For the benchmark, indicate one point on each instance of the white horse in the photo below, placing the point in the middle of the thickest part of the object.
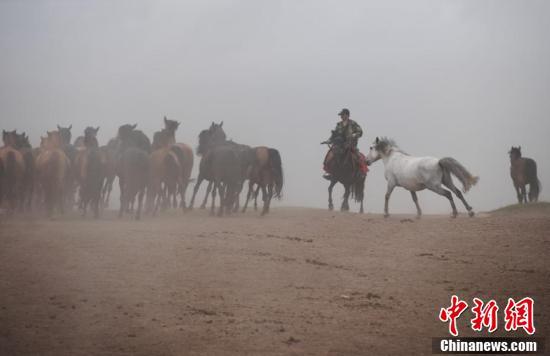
(418, 173)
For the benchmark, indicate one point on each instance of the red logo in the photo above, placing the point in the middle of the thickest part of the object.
(452, 313)
(516, 315)
(519, 315)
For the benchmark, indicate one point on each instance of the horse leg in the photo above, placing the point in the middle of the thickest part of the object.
(415, 200)
(389, 190)
(122, 197)
(222, 192)
(345, 203)
(267, 201)
(208, 189)
(264, 198)
(330, 187)
(140, 202)
(213, 206)
(256, 197)
(447, 194)
(523, 194)
(248, 195)
(448, 182)
(195, 190)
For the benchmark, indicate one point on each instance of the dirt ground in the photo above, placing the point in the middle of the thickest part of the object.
(299, 281)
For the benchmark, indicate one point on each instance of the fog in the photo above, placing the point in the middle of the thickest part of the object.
(466, 79)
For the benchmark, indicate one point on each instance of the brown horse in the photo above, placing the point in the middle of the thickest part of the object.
(14, 171)
(266, 172)
(167, 138)
(165, 175)
(90, 172)
(24, 146)
(523, 172)
(52, 168)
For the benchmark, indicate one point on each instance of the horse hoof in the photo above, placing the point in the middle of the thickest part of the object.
(386, 216)
(418, 217)
(331, 207)
(471, 214)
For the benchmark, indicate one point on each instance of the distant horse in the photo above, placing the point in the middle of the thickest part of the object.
(266, 172)
(209, 138)
(130, 137)
(345, 170)
(70, 151)
(24, 146)
(109, 154)
(167, 138)
(221, 165)
(90, 172)
(133, 167)
(165, 173)
(52, 168)
(14, 171)
(523, 172)
(418, 173)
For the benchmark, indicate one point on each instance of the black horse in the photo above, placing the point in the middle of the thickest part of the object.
(524, 171)
(133, 165)
(344, 169)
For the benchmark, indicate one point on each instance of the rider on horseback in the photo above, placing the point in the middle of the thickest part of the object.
(344, 136)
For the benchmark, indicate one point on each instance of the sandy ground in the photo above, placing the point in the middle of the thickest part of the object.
(299, 281)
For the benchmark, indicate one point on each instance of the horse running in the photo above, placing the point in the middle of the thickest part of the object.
(418, 173)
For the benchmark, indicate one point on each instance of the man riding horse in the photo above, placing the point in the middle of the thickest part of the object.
(345, 137)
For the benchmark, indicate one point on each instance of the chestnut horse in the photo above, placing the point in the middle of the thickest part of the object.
(266, 172)
(14, 171)
(52, 168)
(524, 171)
(167, 138)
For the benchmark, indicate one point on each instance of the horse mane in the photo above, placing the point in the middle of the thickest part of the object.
(386, 144)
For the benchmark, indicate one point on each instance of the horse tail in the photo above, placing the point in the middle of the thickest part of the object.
(452, 166)
(358, 189)
(532, 179)
(172, 163)
(276, 170)
(94, 172)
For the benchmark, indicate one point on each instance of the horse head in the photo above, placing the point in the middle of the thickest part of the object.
(90, 136)
(9, 138)
(54, 139)
(171, 125)
(211, 137)
(65, 133)
(380, 148)
(22, 141)
(515, 152)
(125, 131)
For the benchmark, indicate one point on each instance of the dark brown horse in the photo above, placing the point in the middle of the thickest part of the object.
(266, 173)
(133, 167)
(52, 169)
(222, 165)
(90, 172)
(209, 138)
(523, 172)
(109, 154)
(345, 169)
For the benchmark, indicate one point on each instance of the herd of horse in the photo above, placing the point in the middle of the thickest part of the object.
(60, 174)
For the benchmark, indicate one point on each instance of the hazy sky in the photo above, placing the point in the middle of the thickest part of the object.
(466, 79)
